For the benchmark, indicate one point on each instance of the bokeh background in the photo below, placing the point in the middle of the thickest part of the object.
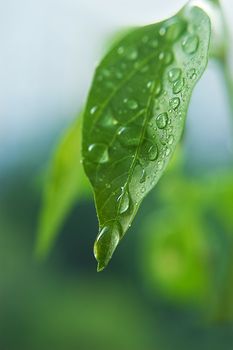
(170, 284)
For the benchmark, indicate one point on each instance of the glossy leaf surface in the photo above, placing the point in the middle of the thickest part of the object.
(135, 116)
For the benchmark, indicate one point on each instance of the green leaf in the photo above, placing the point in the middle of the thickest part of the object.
(135, 115)
(67, 182)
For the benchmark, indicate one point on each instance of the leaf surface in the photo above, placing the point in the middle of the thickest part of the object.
(66, 183)
(135, 116)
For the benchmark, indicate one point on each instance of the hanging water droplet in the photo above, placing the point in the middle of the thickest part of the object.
(124, 201)
(162, 120)
(190, 44)
(178, 86)
(149, 151)
(93, 109)
(174, 74)
(132, 54)
(132, 104)
(174, 102)
(98, 153)
(106, 243)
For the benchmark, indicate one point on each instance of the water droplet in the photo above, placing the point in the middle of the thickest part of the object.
(98, 153)
(154, 43)
(162, 31)
(190, 44)
(174, 74)
(170, 140)
(162, 120)
(145, 39)
(129, 135)
(120, 50)
(119, 75)
(192, 74)
(149, 151)
(178, 86)
(158, 89)
(106, 243)
(106, 73)
(107, 120)
(143, 177)
(132, 54)
(175, 30)
(124, 201)
(166, 57)
(174, 102)
(149, 84)
(167, 151)
(132, 104)
(93, 109)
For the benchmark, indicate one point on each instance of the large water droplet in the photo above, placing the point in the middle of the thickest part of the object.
(98, 153)
(178, 86)
(174, 102)
(106, 244)
(174, 74)
(124, 201)
(190, 44)
(129, 135)
(162, 120)
(150, 151)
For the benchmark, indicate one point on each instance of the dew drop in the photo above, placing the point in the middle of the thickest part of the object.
(166, 57)
(174, 74)
(162, 120)
(192, 74)
(154, 43)
(132, 54)
(178, 86)
(190, 44)
(106, 243)
(175, 30)
(158, 89)
(150, 151)
(124, 201)
(162, 31)
(174, 102)
(120, 50)
(143, 177)
(98, 153)
(93, 109)
(170, 140)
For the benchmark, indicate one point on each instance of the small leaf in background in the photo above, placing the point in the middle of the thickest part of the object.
(66, 184)
(135, 116)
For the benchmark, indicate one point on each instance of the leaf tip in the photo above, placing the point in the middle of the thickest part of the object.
(106, 244)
